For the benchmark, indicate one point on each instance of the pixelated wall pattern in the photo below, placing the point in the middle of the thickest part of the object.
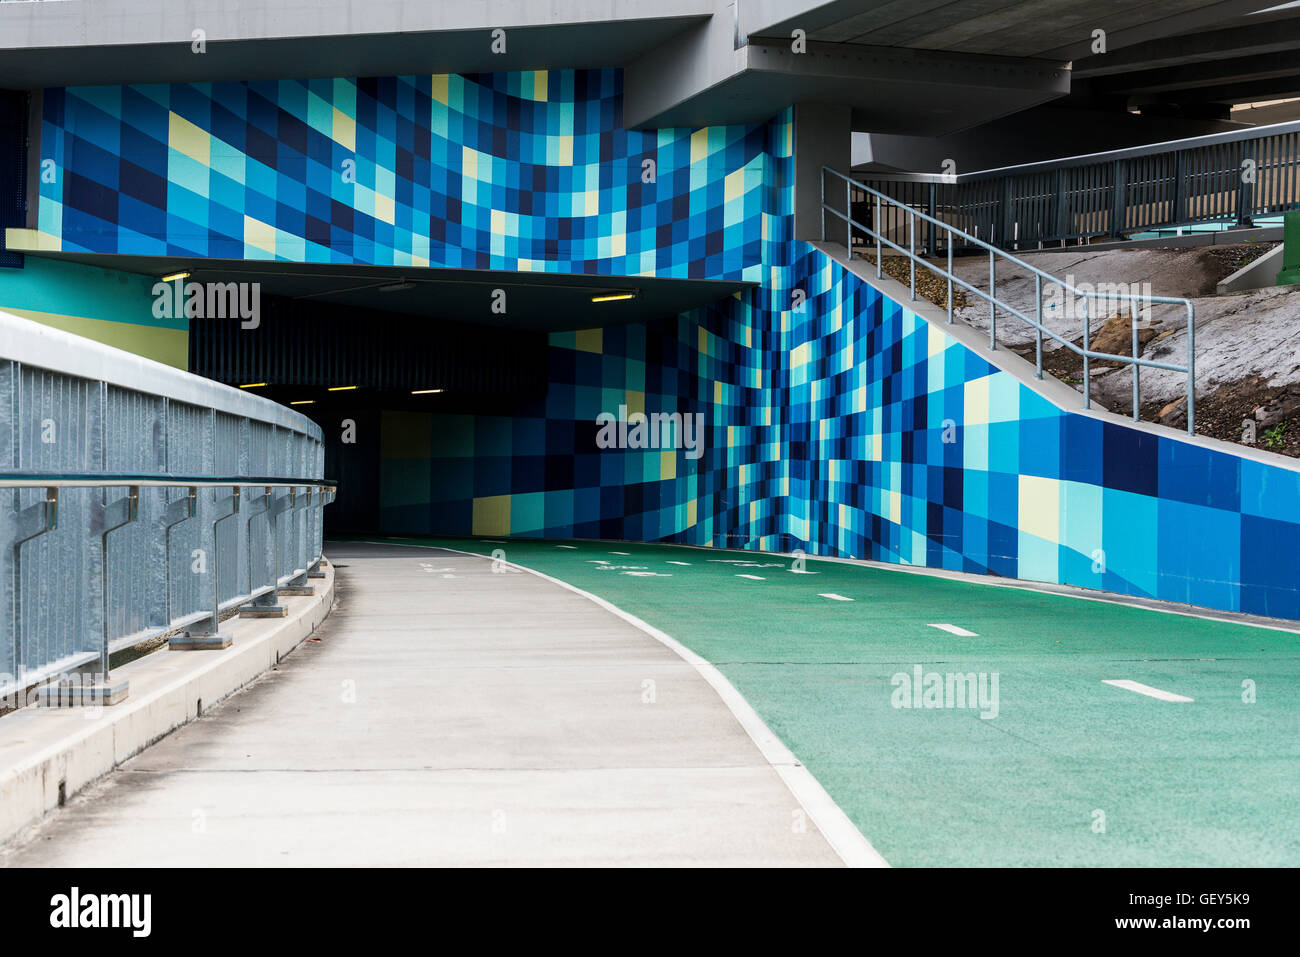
(1023, 489)
(826, 425)
(542, 473)
(529, 171)
(827, 432)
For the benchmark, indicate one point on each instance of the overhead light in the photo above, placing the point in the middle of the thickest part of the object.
(424, 391)
(253, 385)
(613, 296)
(397, 286)
(304, 402)
(176, 275)
(341, 388)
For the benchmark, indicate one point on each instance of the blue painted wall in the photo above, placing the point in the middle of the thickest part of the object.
(848, 427)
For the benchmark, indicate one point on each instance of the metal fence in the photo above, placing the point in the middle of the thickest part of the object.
(950, 238)
(1231, 178)
(136, 499)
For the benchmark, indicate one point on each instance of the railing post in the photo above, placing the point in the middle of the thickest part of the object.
(205, 634)
(1179, 210)
(1137, 387)
(880, 228)
(267, 604)
(931, 233)
(911, 247)
(950, 305)
(1191, 369)
(1062, 206)
(1038, 333)
(31, 522)
(1008, 218)
(822, 190)
(298, 585)
(314, 571)
(993, 308)
(1118, 198)
(100, 690)
(1246, 185)
(174, 513)
(1087, 372)
(848, 215)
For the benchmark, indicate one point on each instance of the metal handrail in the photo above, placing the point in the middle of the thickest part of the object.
(1104, 156)
(42, 517)
(1135, 360)
(115, 480)
(1227, 178)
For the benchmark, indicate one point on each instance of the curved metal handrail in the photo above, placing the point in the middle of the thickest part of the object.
(1135, 360)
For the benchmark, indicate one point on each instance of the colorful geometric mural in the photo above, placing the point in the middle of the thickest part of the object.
(856, 428)
(846, 426)
(518, 171)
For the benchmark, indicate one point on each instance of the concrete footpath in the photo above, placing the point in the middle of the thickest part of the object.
(447, 714)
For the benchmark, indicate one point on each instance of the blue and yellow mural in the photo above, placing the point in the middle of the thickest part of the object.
(847, 426)
(518, 171)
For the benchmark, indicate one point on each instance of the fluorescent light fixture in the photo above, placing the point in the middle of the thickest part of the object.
(176, 275)
(398, 286)
(341, 388)
(253, 385)
(304, 402)
(613, 296)
(424, 391)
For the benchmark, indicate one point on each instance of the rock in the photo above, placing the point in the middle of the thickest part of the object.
(1174, 414)
(1116, 336)
(1278, 409)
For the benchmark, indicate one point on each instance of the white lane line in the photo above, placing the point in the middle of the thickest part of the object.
(833, 597)
(797, 571)
(841, 833)
(679, 563)
(620, 553)
(757, 578)
(1147, 690)
(566, 546)
(954, 630)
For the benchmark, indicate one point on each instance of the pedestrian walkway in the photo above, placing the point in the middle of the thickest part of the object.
(448, 713)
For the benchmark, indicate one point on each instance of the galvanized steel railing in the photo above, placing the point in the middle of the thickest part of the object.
(132, 502)
(1232, 177)
(953, 237)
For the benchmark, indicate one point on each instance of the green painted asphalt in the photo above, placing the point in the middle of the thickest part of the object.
(1215, 782)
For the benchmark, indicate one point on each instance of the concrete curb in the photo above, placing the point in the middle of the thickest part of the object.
(1260, 274)
(49, 754)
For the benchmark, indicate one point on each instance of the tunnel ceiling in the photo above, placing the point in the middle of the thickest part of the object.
(539, 302)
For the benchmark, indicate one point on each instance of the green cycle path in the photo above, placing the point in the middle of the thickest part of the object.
(1062, 769)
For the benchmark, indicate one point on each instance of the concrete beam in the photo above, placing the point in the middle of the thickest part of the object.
(1277, 34)
(125, 41)
(822, 137)
(778, 17)
(1205, 74)
(916, 92)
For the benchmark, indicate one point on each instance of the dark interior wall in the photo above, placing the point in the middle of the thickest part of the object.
(13, 168)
